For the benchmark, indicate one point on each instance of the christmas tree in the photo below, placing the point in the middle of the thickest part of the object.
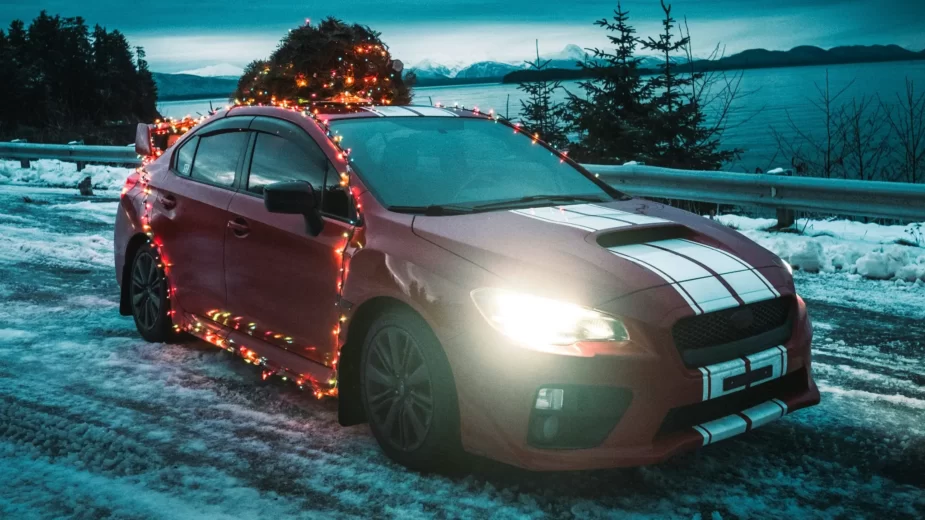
(331, 61)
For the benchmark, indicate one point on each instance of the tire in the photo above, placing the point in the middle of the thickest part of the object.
(408, 393)
(148, 297)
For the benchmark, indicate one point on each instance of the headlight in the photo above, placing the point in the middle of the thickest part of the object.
(536, 321)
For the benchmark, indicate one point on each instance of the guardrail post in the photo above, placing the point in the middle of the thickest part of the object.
(23, 163)
(81, 165)
(785, 218)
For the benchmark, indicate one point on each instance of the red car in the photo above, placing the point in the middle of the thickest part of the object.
(460, 286)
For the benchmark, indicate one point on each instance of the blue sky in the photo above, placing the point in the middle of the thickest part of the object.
(180, 35)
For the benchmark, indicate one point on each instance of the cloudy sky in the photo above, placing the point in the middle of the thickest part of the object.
(185, 34)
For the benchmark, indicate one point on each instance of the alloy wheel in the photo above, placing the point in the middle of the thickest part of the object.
(399, 390)
(147, 291)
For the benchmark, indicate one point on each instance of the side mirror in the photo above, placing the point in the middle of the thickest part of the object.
(297, 198)
(143, 140)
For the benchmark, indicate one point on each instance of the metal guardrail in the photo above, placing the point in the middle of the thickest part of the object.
(894, 200)
(78, 153)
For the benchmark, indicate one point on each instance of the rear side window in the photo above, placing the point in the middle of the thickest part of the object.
(276, 160)
(217, 157)
(184, 161)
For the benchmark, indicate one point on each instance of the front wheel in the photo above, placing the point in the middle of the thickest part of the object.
(148, 297)
(408, 392)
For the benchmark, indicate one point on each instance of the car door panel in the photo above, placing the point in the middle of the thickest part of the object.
(190, 216)
(281, 281)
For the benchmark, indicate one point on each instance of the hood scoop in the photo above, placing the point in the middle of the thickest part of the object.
(643, 234)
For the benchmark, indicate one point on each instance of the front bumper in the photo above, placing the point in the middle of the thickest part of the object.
(672, 408)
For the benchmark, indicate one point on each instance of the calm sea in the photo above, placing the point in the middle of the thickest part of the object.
(773, 96)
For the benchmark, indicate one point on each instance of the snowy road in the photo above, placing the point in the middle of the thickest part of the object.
(96, 423)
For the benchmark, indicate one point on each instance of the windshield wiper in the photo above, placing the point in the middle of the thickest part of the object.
(535, 198)
(434, 210)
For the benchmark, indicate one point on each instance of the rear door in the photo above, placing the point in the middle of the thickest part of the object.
(282, 282)
(192, 212)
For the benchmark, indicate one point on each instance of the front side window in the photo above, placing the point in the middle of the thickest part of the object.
(277, 160)
(416, 162)
(217, 157)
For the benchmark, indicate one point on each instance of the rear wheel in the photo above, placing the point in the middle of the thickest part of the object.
(148, 297)
(408, 392)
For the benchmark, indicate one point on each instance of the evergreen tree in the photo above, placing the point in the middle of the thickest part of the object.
(60, 80)
(611, 117)
(330, 61)
(539, 115)
(678, 132)
(145, 99)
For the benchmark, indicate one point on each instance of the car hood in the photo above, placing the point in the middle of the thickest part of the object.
(594, 253)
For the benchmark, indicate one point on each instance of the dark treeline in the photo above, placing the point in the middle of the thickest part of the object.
(62, 81)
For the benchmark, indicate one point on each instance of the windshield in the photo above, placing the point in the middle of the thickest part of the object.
(460, 162)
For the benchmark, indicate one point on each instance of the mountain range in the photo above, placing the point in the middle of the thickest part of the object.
(220, 80)
(804, 55)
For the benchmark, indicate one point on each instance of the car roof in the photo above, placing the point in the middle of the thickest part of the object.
(339, 111)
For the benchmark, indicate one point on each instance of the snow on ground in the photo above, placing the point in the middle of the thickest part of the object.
(96, 423)
(866, 249)
(47, 172)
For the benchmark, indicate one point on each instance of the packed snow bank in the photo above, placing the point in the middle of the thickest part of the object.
(856, 248)
(58, 174)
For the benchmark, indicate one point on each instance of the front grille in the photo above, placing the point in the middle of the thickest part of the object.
(728, 326)
(679, 419)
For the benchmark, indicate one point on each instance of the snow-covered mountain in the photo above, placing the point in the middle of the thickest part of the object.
(213, 71)
(567, 58)
(654, 62)
(487, 69)
(429, 69)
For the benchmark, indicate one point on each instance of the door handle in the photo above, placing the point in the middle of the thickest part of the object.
(239, 227)
(168, 201)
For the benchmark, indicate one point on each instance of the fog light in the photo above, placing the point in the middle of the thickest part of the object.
(550, 399)
(550, 428)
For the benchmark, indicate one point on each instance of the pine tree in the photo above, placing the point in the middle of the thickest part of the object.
(540, 116)
(61, 82)
(330, 61)
(611, 116)
(678, 131)
(145, 88)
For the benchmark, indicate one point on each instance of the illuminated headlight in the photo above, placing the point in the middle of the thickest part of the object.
(532, 320)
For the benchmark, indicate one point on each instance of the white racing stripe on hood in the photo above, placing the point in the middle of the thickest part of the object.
(560, 216)
(707, 278)
(747, 282)
(745, 265)
(707, 292)
(589, 217)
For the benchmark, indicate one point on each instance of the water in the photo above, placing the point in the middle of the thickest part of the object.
(775, 95)
(192, 107)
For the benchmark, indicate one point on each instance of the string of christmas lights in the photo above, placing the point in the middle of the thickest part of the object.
(353, 241)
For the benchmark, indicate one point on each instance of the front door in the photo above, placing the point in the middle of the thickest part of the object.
(282, 283)
(190, 213)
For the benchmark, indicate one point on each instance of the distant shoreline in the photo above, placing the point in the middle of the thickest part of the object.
(195, 97)
(199, 88)
(749, 60)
